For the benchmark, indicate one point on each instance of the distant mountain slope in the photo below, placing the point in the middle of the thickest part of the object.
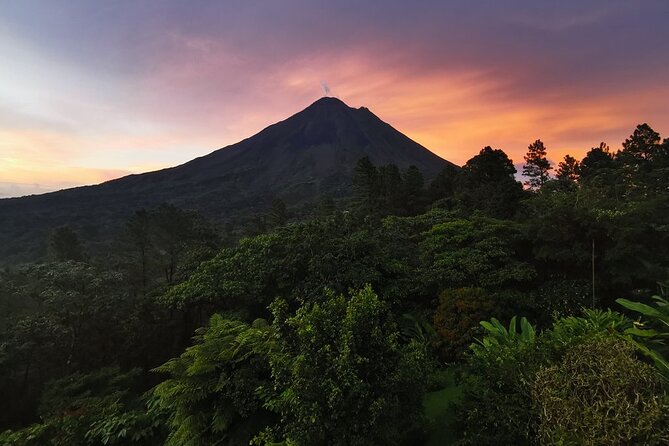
(308, 155)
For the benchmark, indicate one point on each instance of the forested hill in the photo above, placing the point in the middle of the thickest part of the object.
(307, 156)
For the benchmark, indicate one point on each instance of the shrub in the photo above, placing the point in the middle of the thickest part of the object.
(498, 405)
(600, 394)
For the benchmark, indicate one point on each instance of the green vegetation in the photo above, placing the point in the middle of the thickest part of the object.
(457, 311)
(440, 409)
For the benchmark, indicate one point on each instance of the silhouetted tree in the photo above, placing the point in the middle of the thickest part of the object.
(641, 148)
(645, 159)
(391, 187)
(443, 186)
(536, 166)
(595, 160)
(487, 183)
(568, 169)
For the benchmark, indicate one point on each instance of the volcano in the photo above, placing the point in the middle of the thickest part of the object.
(307, 156)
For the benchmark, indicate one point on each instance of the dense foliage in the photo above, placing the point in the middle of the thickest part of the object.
(336, 328)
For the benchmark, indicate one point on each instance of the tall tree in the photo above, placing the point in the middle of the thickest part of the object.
(641, 148)
(414, 190)
(443, 186)
(568, 169)
(536, 166)
(137, 237)
(595, 160)
(487, 183)
(391, 187)
(365, 186)
(182, 239)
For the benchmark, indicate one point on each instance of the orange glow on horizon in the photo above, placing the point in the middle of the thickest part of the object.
(452, 113)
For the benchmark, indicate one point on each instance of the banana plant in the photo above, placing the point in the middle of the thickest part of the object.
(498, 334)
(650, 333)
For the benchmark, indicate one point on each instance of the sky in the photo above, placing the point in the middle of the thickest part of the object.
(94, 90)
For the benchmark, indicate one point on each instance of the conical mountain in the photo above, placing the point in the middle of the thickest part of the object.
(308, 155)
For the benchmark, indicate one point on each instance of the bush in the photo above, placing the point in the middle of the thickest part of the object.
(498, 405)
(600, 394)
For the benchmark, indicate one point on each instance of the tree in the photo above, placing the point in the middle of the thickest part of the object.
(568, 169)
(339, 252)
(456, 319)
(487, 183)
(597, 159)
(641, 148)
(178, 234)
(165, 243)
(391, 189)
(536, 166)
(342, 376)
(84, 319)
(413, 190)
(334, 373)
(64, 245)
(137, 234)
(645, 159)
(365, 187)
(479, 251)
(443, 186)
(102, 407)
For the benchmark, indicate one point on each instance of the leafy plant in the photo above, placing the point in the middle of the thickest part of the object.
(650, 336)
(210, 395)
(497, 334)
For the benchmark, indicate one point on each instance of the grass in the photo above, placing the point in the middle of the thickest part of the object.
(440, 412)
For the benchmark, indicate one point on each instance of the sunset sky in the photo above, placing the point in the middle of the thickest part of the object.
(93, 90)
